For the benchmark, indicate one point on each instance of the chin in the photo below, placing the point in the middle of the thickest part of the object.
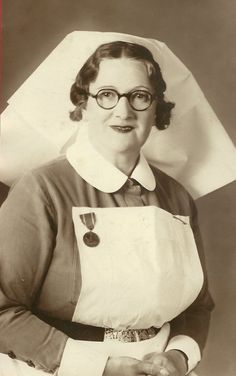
(126, 149)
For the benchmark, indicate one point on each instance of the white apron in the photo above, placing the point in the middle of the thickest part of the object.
(144, 272)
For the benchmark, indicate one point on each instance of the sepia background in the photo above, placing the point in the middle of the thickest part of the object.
(202, 33)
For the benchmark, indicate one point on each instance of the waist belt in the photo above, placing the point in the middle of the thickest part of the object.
(84, 332)
(130, 335)
(74, 330)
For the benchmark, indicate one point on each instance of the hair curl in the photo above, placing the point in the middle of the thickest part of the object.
(114, 50)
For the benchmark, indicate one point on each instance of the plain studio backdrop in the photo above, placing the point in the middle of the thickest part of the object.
(203, 35)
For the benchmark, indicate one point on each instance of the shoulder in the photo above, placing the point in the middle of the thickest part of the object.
(43, 182)
(167, 181)
(55, 169)
(46, 175)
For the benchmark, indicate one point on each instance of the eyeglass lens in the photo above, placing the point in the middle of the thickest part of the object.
(138, 99)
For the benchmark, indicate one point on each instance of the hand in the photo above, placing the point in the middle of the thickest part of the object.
(126, 366)
(170, 363)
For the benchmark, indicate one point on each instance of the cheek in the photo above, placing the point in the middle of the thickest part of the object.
(94, 113)
(148, 120)
(89, 111)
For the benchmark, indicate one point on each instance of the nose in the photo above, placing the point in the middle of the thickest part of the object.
(123, 109)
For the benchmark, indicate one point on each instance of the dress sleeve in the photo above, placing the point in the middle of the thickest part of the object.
(190, 328)
(27, 236)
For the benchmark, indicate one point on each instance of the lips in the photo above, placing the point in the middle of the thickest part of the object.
(122, 128)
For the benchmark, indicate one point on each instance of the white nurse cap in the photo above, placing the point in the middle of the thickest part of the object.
(36, 128)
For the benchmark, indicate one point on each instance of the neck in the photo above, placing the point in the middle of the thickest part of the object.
(124, 161)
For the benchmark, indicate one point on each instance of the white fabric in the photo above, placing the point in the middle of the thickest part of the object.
(146, 260)
(157, 275)
(87, 358)
(90, 165)
(21, 147)
(91, 354)
(42, 102)
(188, 346)
(82, 358)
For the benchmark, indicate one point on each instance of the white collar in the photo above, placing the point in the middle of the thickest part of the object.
(99, 172)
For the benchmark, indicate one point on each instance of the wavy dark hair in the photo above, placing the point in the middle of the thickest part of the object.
(115, 50)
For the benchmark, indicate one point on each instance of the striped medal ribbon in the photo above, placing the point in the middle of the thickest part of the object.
(90, 238)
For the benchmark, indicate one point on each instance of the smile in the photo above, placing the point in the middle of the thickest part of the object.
(122, 129)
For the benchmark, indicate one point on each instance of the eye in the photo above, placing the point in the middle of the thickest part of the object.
(143, 96)
(106, 93)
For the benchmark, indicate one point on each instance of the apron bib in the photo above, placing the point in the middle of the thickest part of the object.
(144, 271)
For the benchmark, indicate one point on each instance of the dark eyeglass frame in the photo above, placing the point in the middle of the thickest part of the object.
(126, 95)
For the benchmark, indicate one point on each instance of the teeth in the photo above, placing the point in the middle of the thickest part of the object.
(123, 129)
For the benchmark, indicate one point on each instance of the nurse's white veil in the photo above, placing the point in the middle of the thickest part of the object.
(195, 149)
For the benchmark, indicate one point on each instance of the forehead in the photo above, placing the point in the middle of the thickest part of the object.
(123, 74)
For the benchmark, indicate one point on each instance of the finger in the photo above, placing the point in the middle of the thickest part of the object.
(160, 370)
(164, 372)
(155, 358)
(149, 356)
(144, 368)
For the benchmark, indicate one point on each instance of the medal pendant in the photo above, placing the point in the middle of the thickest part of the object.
(91, 239)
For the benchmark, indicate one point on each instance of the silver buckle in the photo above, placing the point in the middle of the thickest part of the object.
(130, 335)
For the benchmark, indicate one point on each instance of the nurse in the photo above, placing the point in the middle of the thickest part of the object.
(102, 269)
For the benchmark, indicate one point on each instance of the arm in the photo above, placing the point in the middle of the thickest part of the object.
(27, 236)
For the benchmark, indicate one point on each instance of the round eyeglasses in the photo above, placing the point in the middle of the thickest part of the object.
(139, 100)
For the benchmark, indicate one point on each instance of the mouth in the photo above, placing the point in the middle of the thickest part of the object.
(122, 129)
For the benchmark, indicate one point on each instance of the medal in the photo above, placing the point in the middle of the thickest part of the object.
(90, 238)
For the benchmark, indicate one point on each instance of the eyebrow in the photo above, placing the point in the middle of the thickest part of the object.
(139, 87)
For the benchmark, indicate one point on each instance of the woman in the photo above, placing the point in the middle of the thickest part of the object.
(99, 269)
